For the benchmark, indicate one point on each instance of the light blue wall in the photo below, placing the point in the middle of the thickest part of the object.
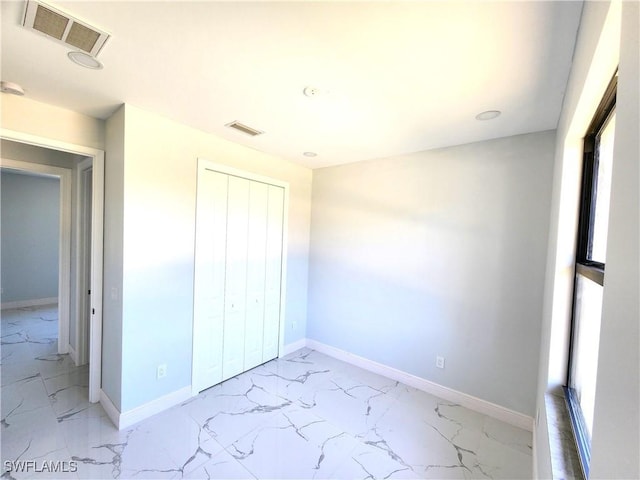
(150, 205)
(112, 287)
(437, 253)
(30, 235)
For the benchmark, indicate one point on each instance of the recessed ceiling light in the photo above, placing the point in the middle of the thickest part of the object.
(85, 60)
(12, 88)
(488, 115)
(310, 154)
(313, 92)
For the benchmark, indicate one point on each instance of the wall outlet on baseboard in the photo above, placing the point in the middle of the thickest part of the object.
(439, 361)
(161, 372)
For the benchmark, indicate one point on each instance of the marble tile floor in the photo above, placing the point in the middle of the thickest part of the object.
(304, 416)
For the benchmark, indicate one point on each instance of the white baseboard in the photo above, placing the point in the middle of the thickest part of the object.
(534, 454)
(112, 412)
(36, 302)
(73, 354)
(126, 419)
(292, 347)
(473, 403)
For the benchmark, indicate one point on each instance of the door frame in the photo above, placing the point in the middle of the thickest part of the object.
(83, 252)
(64, 175)
(203, 165)
(97, 235)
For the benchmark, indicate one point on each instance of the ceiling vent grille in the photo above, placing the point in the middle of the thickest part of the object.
(64, 28)
(244, 129)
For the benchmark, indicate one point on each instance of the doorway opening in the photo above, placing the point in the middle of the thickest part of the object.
(30, 229)
(80, 171)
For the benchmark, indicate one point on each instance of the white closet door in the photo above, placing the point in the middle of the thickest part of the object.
(236, 273)
(273, 272)
(209, 279)
(256, 263)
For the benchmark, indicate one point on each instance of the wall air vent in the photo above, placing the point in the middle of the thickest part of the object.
(64, 28)
(244, 129)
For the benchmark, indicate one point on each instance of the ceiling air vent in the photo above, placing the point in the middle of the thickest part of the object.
(244, 129)
(63, 27)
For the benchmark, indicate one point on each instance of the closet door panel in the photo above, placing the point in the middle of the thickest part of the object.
(256, 266)
(273, 272)
(209, 285)
(238, 272)
(236, 277)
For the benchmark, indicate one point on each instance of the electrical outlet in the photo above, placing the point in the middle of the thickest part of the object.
(439, 361)
(294, 325)
(161, 372)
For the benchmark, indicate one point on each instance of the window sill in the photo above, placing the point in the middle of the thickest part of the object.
(565, 463)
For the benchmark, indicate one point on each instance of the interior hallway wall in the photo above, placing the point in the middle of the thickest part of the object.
(30, 216)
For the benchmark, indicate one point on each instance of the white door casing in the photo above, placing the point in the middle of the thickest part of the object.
(64, 243)
(83, 259)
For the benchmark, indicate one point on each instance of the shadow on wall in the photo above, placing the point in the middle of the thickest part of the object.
(438, 253)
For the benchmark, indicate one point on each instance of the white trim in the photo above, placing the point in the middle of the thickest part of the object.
(203, 163)
(283, 271)
(112, 411)
(74, 355)
(473, 403)
(30, 303)
(64, 243)
(155, 406)
(81, 252)
(95, 340)
(126, 419)
(97, 263)
(534, 453)
(292, 347)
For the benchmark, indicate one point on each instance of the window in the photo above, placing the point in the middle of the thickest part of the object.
(590, 271)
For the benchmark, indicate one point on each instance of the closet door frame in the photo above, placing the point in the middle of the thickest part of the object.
(208, 165)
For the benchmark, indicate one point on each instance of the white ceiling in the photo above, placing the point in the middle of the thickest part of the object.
(397, 77)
